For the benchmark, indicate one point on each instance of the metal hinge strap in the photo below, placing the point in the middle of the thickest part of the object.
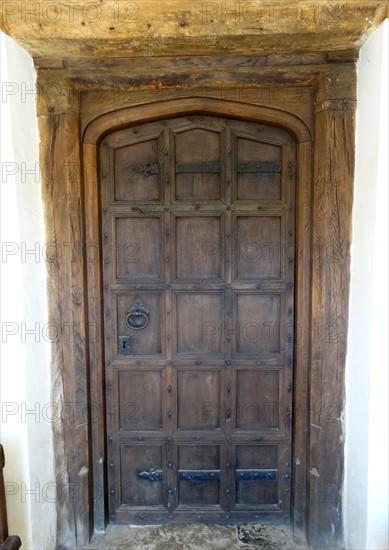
(268, 474)
(258, 167)
(198, 168)
(199, 475)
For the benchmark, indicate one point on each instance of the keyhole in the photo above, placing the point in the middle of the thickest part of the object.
(124, 344)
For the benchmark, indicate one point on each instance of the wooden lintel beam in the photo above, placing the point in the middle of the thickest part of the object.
(152, 28)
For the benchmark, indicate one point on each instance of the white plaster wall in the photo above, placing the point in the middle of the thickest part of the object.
(366, 483)
(26, 432)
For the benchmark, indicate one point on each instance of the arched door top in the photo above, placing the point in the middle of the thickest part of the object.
(111, 121)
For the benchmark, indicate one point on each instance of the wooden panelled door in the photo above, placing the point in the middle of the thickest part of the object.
(198, 232)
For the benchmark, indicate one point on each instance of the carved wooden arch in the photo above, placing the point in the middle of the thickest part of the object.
(111, 121)
(115, 120)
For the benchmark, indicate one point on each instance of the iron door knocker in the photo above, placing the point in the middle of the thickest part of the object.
(137, 316)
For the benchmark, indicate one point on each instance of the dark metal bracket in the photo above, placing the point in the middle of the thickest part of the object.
(147, 169)
(151, 475)
(258, 167)
(199, 475)
(248, 475)
(198, 168)
(212, 475)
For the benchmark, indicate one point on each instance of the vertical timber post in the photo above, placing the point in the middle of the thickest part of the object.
(62, 193)
(332, 204)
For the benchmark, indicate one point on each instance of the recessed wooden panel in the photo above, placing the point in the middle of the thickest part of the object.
(258, 246)
(146, 341)
(199, 246)
(135, 462)
(258, 319)
(260, 185)
(199, 322)
(140, 405)
(256, 492)
(256, 456)
(197, 147)
(137, 172)
(139, 248)
(196, 459)
(198, 399)
(257, 399)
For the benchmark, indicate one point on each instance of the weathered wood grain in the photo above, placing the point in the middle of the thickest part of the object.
(151, 27)
(296, 99)
(95, 336)
(332, 203)
(192, 105)
(300, 393)
(62, 194)
(139, 64)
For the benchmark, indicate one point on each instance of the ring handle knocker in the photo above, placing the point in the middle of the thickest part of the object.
(137, 316)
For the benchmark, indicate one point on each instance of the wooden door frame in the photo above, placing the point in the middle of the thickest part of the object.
(69, 161)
